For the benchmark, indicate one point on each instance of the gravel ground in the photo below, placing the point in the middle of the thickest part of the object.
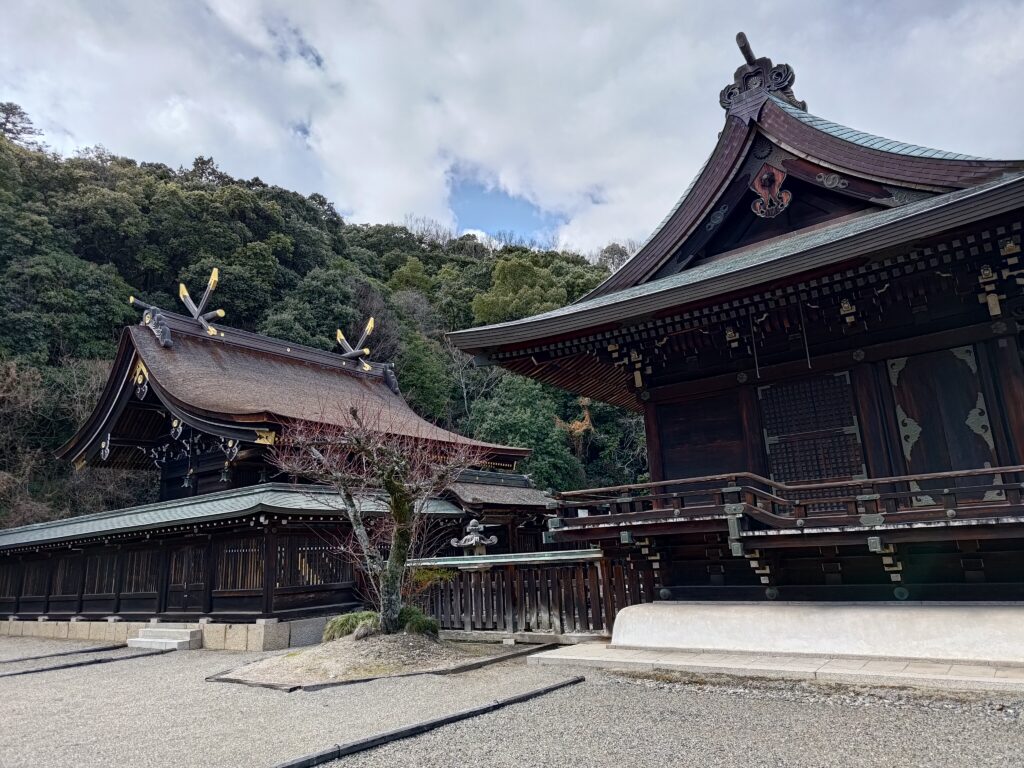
(19, 647)
(617, 720)
(159, 711)
(375, 656)
(78, 658)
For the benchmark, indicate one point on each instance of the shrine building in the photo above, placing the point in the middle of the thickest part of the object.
(824, 339)
(232, 539)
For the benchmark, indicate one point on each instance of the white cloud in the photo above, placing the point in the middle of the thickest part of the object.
(599, 111)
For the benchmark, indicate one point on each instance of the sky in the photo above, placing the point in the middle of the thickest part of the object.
(573, 123)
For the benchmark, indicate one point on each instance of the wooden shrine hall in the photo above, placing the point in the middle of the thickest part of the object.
(231, 538)
(824, 338)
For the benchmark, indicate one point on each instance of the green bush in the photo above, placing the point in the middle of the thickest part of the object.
(417, 623)
(412, 619)
(344, 625)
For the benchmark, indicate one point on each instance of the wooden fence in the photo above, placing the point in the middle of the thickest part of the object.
(556, 598)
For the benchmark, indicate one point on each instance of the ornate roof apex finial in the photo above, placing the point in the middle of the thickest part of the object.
(359, 353)
(758, 76)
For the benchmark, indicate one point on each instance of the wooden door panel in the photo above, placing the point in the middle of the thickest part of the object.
(702, 437)
(941, 413)
(186, 579)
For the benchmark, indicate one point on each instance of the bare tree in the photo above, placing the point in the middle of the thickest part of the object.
(374, 456)
(474, 382)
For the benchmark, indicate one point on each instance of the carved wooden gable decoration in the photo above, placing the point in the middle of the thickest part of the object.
(777, 170)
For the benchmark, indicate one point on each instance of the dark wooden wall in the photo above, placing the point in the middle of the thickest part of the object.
(223, 575)
(959, 407)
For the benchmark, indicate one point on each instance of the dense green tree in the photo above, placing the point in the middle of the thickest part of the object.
(54, 304)
(524, 413)
(411, 276)
(423, 376)
(16, 125)
(519, 288)
(309, 314)
(79, 234)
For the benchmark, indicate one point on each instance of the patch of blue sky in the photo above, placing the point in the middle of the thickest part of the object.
(479, 206)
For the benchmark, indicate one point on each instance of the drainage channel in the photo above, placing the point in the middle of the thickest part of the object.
(361, 745)
(82, 663)
(97, 649)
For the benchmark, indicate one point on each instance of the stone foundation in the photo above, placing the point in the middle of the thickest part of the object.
(950, 631)
(264, 635)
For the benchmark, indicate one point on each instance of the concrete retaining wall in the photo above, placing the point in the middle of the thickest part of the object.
(270, 636)
(903, 630)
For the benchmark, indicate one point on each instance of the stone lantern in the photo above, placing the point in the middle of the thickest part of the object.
(474, 542)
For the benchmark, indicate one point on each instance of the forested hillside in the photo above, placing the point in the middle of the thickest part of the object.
(79, 235)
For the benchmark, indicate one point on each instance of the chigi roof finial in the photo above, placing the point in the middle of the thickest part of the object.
(758, 75)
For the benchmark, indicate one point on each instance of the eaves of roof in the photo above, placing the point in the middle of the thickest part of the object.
(756, 265)
(272, 497)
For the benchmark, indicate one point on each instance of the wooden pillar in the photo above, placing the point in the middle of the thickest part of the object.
(81, 583)
(211, 567)
(163, 577)
(49, 583)
(654, 458)
(269, 569)
(118, 578)
(19, 583)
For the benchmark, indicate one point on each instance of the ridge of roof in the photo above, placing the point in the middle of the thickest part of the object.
(182, 324)
(868, 140)
(739, 260)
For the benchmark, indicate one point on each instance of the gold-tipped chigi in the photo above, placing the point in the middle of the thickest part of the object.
(358, 352)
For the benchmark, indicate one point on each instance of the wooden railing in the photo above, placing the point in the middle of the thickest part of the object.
(561, 598)
(906, 498)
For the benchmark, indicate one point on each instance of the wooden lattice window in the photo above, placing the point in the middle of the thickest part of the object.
(240, 563)
(8, 579)
(310, 561)
(67, 576)
(140, 571)
(36, 578)
(811, 430)
(100, 574)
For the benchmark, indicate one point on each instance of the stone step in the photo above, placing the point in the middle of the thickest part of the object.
(164, 633)
(171, 625)
(160, 644)
(167, 639)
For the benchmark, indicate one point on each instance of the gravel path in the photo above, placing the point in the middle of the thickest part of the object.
(19, 647)
(77, 658)
(159, 711)
(621, 721)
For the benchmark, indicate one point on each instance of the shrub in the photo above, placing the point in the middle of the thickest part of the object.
(344, 625)
(417, 623)
(365, 623)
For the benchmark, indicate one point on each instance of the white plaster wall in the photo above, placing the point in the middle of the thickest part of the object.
(950, 631)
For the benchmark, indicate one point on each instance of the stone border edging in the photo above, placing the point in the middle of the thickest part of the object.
(224, 677)
(87, 663)
(97, 649)
(361, 745)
